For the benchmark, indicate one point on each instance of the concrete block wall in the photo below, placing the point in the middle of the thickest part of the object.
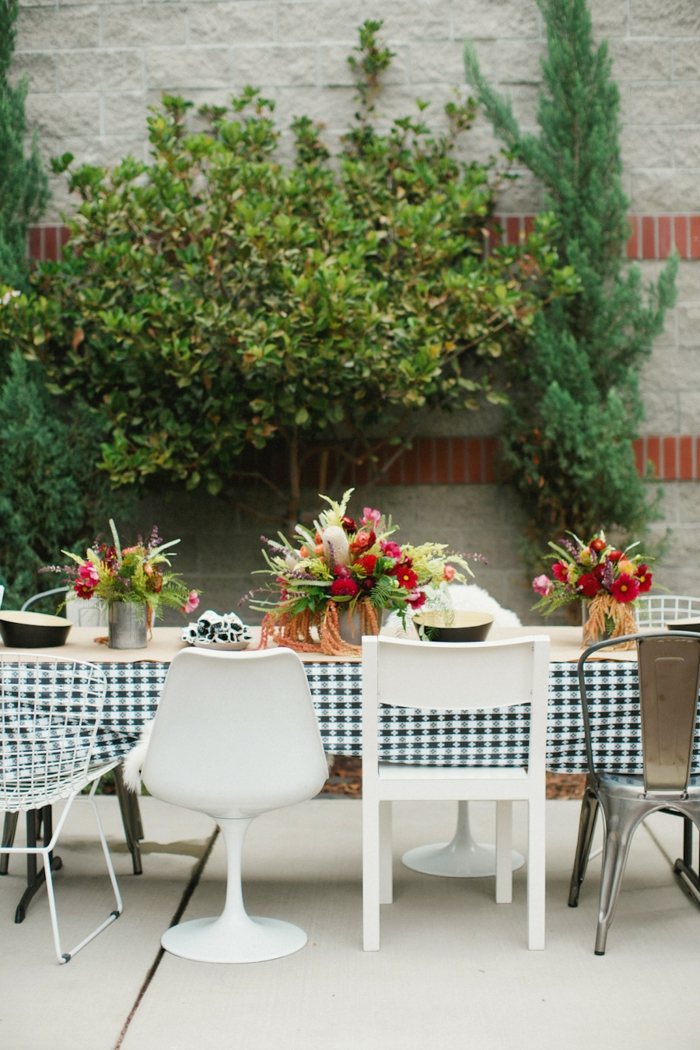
(94, 67)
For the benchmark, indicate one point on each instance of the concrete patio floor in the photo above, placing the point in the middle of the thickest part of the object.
(453, 970)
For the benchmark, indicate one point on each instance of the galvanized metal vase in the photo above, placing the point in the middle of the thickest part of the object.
(128, 627)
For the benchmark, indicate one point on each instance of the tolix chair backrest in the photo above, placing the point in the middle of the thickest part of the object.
(669, 680)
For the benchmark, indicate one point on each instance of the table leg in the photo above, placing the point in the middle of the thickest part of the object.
(8, 837)
(462, 858)
(131, 819)
(688, 878)
(36, 819)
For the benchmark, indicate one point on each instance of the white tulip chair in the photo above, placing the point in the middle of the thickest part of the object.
(235, 736)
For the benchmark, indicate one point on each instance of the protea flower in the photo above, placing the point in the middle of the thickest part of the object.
(335, 546)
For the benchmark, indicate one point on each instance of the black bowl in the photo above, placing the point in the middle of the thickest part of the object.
(28, 630)
(454, 625)
(692, 623)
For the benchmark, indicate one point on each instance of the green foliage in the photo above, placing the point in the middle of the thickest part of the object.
(575, 408)
(212, 300)
(23, 184)
(50, 493)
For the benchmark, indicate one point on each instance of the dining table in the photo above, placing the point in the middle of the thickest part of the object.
(498, 737)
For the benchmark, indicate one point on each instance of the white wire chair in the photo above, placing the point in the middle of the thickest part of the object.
(50, 712)
(655, 610)
(84, 612)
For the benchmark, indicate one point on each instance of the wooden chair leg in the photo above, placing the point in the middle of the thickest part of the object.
(504, 846)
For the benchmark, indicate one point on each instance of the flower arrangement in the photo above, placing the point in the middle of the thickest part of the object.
(140, 574)
(598, 572)
(344, 564)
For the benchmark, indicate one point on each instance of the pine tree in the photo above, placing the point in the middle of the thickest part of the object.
(575, 408)
(23, 183)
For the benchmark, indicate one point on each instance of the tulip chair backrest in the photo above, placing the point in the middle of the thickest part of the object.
(235, 734)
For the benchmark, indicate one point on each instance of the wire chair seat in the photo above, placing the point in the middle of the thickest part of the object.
(49, 715)
(50, 712)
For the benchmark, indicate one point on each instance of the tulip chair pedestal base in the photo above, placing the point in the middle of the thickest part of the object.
(462, 858)
(248, 939)
(234, 936)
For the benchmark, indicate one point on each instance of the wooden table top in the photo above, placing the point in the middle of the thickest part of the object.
(82, 645)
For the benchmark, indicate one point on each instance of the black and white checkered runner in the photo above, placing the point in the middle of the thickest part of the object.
(494, 738)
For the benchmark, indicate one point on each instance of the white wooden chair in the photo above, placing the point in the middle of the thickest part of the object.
(444, 676)
(235, 736)
(655, 610)
(50, 711)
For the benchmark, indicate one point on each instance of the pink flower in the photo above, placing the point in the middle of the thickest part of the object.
(448, 573)
(416, 599)
(543, 585)
(87, 581)
(560, 571)
(371, 517)
(191, 603)
(390, 549)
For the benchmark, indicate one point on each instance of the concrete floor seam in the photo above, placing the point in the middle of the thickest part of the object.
(196, 875)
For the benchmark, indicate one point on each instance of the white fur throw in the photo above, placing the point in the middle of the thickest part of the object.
(464, 596)
(134, 761)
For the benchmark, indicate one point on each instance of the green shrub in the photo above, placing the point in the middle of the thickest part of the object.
(213, 301)
(51, 494)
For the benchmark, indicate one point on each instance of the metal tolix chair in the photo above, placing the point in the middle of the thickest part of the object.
(669, 678)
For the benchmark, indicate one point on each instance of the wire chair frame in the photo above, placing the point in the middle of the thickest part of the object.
(655, 610)
(50, 712)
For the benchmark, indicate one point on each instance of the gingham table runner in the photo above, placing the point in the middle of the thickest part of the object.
(494, 738)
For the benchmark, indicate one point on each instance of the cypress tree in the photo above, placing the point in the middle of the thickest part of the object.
(575, 405)
(23, 184)
(51, 493)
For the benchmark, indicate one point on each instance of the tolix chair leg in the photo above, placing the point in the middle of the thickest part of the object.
(586, 828)
(621, 822)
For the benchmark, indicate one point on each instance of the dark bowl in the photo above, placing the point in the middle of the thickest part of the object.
(454, 625)
(28, 630)
(692, 623)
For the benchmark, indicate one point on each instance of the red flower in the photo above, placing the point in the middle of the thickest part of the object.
(416, 599)
(341, 587)
(404, 574)
(614, 555)
(560, 571)
(625, 588)
(362, 542)
(588, 585)
(368, 562)
(349, 524)
(341, 571)
(644, 577)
